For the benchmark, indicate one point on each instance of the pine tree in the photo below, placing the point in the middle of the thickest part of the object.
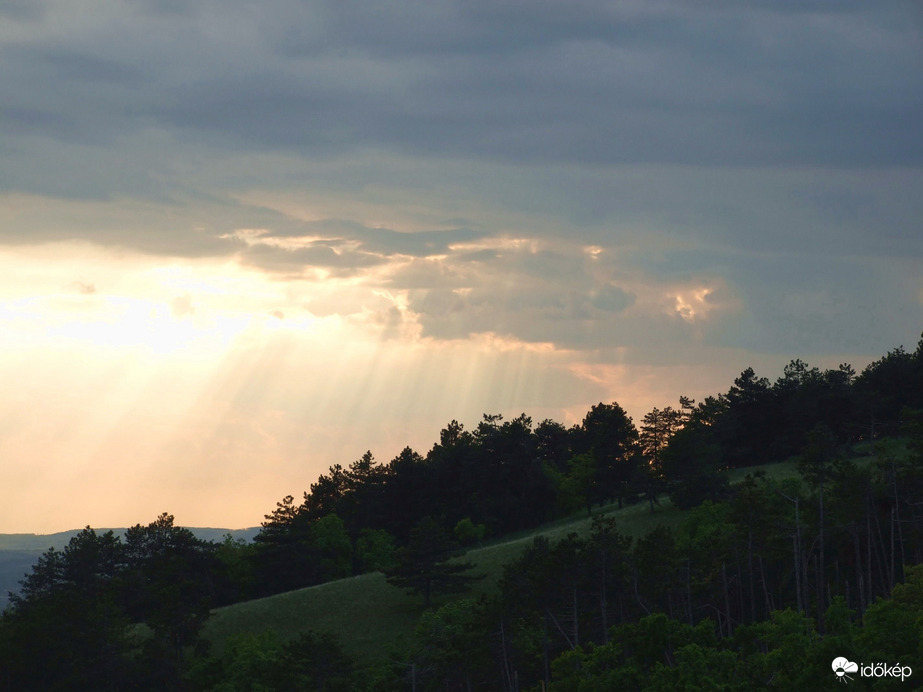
(424, 567)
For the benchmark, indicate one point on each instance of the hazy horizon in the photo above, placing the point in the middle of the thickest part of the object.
(239, 244)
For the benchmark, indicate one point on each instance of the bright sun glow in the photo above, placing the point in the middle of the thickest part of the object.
(139, 323)
(210, 390)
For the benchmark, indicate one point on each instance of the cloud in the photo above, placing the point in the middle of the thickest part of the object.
(537, 292)
(416, 244)
(341, 262)
(612, 299)
(22, 10)
(341, 248)
(735, 165)
(638, 83)
(373, 240)
(84, 288)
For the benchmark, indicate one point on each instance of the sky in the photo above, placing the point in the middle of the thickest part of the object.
(241, 242)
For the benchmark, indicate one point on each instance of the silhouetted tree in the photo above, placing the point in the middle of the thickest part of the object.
(610, 435)
(169, 584)
(657, 427)
(424, 565)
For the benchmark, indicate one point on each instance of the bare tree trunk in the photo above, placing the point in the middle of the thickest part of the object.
(750, 578)
(797, 575)
(505, 661)
(765, 588)
(545, 657)
(557, 624)
(820, 595)
(881, 558)
(603, 607)
(897, 515)
(603, 604)
(638, 595)
(727, 600)
(741, 610)
(870, 586)
(858, 552)
(796, 548)
(689, 590)
(892, 548)
(821, 571)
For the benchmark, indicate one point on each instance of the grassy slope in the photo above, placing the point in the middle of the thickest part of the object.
(365, 613)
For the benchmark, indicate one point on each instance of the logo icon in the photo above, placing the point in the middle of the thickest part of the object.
(841, 666)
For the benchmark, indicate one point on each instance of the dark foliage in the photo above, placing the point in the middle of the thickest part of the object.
(74, 626)
(262, 661)
(424, 565)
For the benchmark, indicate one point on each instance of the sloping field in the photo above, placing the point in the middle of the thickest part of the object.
(366, 613)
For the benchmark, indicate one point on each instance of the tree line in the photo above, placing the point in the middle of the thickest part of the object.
(760, 590)
(508, 475)
(107, 613)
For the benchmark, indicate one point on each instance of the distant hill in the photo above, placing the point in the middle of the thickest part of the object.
(44, 541)
(19, 551)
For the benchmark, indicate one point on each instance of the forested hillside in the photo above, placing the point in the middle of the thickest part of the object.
(757, 574)
(20, 551)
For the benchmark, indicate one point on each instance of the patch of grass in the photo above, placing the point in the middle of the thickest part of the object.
(364, 612)
(367, 614)
(775, 472)
(870, 451)
(634, 520)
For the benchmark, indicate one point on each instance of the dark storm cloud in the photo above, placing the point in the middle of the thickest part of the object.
(612, 299)
(21, 9)
(749, 84)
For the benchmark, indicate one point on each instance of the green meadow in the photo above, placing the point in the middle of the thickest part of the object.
(367, 614)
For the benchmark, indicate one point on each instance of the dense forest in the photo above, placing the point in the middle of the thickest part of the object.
(759, 586)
